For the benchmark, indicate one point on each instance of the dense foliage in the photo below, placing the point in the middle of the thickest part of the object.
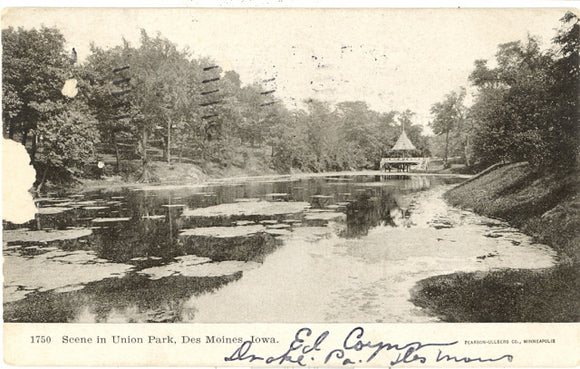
(153, 101)
(525, 108)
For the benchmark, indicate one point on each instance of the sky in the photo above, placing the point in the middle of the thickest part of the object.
(393, 59)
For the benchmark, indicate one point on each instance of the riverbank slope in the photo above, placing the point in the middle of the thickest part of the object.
(541, 204)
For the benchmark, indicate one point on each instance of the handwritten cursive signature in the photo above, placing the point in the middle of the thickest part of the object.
(355, 349)
(295, 354)
(406, 353)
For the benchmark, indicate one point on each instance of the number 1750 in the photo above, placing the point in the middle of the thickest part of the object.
(40, 339)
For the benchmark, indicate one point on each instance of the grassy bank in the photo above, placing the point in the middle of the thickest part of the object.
(245, 162)
(513, 295)
(544, 205)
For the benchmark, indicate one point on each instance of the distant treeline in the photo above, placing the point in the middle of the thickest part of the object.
(131, 101)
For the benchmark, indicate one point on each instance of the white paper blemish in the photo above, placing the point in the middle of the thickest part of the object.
(18, 177)
(70, 88)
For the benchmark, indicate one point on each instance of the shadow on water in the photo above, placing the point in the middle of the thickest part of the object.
(123, 241)
(246, 248)
(131, 299)
(370, 210)
(381, 206)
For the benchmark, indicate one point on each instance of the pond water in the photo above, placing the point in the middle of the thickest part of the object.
(320, 249)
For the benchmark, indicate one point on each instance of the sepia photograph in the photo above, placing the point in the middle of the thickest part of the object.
(362, 166)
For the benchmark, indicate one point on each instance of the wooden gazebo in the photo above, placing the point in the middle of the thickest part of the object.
(401, 156)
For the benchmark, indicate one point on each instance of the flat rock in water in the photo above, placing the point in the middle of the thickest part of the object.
(251, 199)
(52, 210)
(25, 235)
(113, 203)
(168, 187)
(71, 288)
(278, 232)
(199, 269)
(278, 226)
(244, 222)
(263, 208)
(174, 206)
(276, 195)
(110, 220)
(145, 258)
(339, 179)
(192, 259)
(224, 232)
(154, 217)
(292, 221)
(85, 203)
(324, 197)
(79, 257)
(56, 269)
(269, 222)
(329, 215)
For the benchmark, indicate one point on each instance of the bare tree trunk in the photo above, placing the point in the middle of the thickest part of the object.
(146, 171)
(118, 159)
(24, 137)
(169, 141)
(43, 179)
(466, 151)
(11, 130)
(446, 149)
(144, 146)
(33, 149)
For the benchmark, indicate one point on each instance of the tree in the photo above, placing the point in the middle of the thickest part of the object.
(34, 68)
(359, 147)
(386, 132)
(111, 108)
(448, 117)
(565, 134)
(514, 108)
(66, 144)
(63, 129)
(288, 140)
(155, 93)
(414, 132)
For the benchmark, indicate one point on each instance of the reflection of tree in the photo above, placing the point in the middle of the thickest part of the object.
(132, 299)
(123, 241)
(369, 211)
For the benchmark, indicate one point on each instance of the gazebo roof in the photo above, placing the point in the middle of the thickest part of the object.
(403, 143)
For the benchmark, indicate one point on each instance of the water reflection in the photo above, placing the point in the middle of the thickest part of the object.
(152, 254)
(132, 299)
(369, 210)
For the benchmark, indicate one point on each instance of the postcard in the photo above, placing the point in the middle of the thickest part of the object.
(288, 187)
